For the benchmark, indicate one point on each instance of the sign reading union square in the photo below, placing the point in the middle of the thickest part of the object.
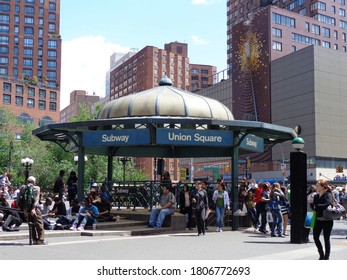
(170, 137)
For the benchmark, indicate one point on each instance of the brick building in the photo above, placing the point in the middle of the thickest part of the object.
(143, 70)
(30, 59)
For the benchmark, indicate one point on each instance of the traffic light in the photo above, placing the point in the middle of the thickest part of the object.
(339, 169)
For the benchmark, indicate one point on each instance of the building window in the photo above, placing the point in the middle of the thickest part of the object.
(204, 71)
(283, 20)
(6, 99)
(42, 93)
(276, 32)
(6, 87)
(45, 120)
(343, 24)
(4, 29)
(315, 29)
(19, 101)
(336, 47)
(344, 37)
(325, 32)
(336, 37)
(3, 50)
(52, 64)
(28, 42)
(342, 12)
(293, 48)
(325, 44)
(4, 40)
(27, 62)
(25, 118)
(42, 105)
(52, 44)
(344, 49)
(19, 89)
(277, 46)
(195, 71)
(3, 71)
(3, 61)
(31, 103)
(52, 106)
(31, 91)
(52, 95)
(28, 52)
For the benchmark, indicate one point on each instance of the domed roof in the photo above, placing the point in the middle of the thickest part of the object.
(165, 101)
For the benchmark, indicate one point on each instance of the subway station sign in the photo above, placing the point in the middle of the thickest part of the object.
(194, 137)
(253, 143)
(131, 137)
(122, 137)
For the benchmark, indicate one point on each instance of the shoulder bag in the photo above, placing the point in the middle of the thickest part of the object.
(334, 212)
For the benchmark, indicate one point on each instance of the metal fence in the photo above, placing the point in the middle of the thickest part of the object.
(142, 194)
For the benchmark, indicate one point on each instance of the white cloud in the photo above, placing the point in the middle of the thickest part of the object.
(199, 41)
(85, 61)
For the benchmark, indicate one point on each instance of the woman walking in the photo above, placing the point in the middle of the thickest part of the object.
(321, 201)
(221, 199)
(199, 203)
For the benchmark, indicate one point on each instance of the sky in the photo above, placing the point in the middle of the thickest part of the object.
(92, 30)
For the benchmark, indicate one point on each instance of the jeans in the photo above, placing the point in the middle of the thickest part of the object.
(158, 216)
(253, 215)
(83, 220)
(219, 216)
(277, 222)
(326, 227)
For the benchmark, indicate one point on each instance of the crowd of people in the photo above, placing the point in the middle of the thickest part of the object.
(267, 207)
(44, 211)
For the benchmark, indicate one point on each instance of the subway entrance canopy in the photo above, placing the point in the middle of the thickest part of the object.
(164, 122)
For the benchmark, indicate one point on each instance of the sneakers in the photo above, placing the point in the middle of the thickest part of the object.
(80, 228)
(73, 228)
(218, 229)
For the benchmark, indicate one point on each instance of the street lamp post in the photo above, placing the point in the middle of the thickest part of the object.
(80, 183)
(27, 164)
(124, 161)
(10, 157)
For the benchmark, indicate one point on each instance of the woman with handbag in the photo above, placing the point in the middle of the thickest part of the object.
(199, 202)
(321, 201)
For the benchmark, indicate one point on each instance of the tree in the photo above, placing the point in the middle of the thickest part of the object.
(49, 158)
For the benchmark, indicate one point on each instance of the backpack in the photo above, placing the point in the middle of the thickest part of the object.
(26, 198)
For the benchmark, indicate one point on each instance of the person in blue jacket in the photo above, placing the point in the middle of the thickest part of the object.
(87, 215)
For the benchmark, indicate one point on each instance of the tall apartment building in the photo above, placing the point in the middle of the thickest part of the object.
(30, 59)
(274, 32)
(262, 34)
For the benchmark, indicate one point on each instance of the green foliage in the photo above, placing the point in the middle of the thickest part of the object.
(49, 158)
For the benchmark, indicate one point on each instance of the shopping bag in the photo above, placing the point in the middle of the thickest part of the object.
(310, 220)
(269, 217)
